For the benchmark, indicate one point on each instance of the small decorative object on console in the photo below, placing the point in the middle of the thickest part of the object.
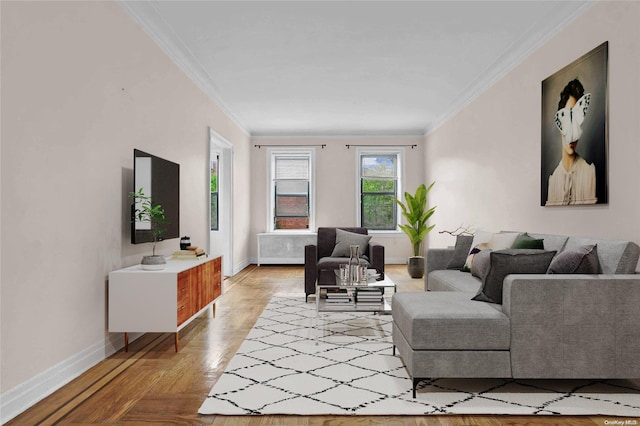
(150, 215)
(185, 242)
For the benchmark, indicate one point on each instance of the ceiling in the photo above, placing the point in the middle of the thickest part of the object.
(348, 67)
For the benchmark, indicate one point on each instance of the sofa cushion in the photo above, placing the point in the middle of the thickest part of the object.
(481, 264)
(344, 239)
(526, 241)
(461, 250)
(551, 242)
(452, 280)
(486, 240)
(579, 260)
(449, 321)
(512, 261)
(614, 256)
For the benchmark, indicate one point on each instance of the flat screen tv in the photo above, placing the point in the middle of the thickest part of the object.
(160, 180)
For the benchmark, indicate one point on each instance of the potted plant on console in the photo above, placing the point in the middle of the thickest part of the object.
(146, 211)
(416, 213)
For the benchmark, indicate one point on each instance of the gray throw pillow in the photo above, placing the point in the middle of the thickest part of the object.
(481, 264)
(461, 251)
(344, 239)
(580, 260)
(512, 261)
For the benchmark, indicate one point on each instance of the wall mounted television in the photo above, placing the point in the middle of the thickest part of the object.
(160, 180)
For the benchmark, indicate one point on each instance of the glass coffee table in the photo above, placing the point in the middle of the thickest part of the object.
(354, 297)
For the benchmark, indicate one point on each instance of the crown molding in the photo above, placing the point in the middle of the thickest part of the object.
(340, 135)
(144, 13)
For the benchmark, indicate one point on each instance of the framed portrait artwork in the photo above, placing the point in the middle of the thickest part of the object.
(575, 132)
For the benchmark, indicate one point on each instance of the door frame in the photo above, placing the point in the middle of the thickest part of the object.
(221, 146)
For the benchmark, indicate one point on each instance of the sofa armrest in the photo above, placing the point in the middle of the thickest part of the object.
(310, 268)
(573, 326)
(310, 254)
(436, 259)
(377, 258)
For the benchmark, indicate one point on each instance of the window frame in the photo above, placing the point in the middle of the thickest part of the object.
(272, 154)
(399, 152)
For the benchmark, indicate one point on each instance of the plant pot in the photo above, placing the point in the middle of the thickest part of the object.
(415, 266)
(153, 263)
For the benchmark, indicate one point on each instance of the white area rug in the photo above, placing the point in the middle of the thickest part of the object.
(295, 361)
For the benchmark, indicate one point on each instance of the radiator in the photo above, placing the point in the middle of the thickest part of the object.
(283, 248)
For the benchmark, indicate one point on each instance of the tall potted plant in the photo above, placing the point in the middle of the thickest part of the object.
(415, 212)
(146, 211)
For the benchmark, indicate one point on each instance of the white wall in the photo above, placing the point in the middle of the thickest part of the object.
(82, 86)
(486, 158)
(335, 184)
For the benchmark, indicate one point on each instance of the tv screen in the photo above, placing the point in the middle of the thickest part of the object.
(160, 180)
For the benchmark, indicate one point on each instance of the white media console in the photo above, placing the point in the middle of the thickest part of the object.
(162, 301)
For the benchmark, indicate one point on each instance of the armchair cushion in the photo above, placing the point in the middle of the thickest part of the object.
(335, 262)
(344, 239)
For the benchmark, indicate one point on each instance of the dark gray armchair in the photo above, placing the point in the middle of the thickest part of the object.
(319, 265)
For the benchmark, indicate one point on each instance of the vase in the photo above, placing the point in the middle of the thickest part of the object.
(415, 266)
(354, 263)
(154, 262)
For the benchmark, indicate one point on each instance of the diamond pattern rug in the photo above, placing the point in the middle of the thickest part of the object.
(295, 361)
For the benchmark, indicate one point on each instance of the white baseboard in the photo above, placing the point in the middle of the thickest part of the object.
(25, 395)
(240, 266)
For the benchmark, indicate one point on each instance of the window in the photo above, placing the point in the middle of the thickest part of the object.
(213, 169)
(379, 185)
(291, 189)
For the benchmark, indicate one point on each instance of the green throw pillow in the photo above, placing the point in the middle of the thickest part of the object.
(526, 241)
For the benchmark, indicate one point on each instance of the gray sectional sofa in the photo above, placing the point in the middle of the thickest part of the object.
(547, 326)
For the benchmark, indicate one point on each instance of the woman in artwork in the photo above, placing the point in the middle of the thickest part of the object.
(574, 180)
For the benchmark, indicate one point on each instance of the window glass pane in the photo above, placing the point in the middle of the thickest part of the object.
(213, 172)
(379, 166)
(379, 185)
(292, 198)
(292, 205)
(378, 211)
(214, 212)
(299, 187)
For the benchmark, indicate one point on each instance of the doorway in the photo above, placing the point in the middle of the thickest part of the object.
(220, 205)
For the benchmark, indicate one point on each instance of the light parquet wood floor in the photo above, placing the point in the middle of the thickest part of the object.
(153, 385)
